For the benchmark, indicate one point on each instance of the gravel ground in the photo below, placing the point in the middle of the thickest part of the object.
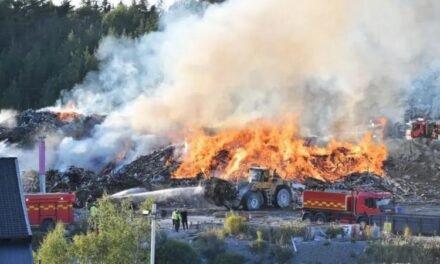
(312, 252)
(315, 252)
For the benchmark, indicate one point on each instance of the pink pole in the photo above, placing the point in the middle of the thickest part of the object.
(42, 164)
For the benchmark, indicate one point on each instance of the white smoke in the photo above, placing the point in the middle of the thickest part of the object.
(7, 118)
(328, 62)
(332, 63)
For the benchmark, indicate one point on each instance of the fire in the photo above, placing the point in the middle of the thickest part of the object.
(229, 153)
(68, 113)
(378, 127)
(67, 117)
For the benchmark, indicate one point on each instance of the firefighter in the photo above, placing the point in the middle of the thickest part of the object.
(178, 219)
(93, 211)
(93, 216)
(174, 218)
(184, 216)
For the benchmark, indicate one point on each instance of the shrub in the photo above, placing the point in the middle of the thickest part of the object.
(404, 250)
(119, 235)
(235, 225)
(229, 258)
(118, 238)
(55, 248)
(209, 246)
(259, 245)
(286, 231)
(218, 232)
(407, 232)
(173, 251)
(334, 230)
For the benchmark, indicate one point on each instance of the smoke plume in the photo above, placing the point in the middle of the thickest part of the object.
(334, 64)
(330, 63)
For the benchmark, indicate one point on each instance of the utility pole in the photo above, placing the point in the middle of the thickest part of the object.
(42, 163)
(153, 233)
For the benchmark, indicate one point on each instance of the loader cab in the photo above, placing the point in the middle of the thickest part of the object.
(258, 174)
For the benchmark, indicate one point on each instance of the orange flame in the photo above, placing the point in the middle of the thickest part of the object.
(229, 153)
(67, 117)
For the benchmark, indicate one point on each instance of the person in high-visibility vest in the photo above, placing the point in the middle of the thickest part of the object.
(174, 219)
(93, 211)
(178, 219)
(93, 216)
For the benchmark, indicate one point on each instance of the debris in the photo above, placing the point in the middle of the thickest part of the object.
(31, 123)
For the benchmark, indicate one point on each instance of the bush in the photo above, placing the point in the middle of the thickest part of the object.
(259, 245)
(209, 246)
(118, 237)
(334, 231)
(407, 232)
(229, 258)
(218, 232)
(55, 248)
(404, 250)
(173, 251)
(235, 225)
(286, 231)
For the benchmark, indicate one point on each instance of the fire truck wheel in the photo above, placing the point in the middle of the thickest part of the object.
(48, 225)
(321, 218)
(307, 217)
(254, 201)
(283, 198)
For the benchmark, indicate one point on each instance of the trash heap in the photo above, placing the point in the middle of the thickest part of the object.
(31, 123)
(412, 168)
(414, 165)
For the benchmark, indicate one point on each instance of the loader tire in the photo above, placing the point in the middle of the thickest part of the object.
(253, 201)
(283, 198)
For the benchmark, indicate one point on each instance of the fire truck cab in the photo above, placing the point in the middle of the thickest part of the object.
(345, 206)
(46, 209)
(423, 128)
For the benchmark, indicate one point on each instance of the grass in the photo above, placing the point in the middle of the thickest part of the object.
(229, 258)
(209, 244)
(282, 235)
(259, 245)
(404, 250)
(334, 230)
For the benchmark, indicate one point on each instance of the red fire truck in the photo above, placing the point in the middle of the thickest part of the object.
(423, 128)
(345, 206)
(46, 209)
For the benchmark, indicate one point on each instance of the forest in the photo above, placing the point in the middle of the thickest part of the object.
(46, 49)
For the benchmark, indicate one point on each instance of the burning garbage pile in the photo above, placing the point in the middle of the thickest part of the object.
(229, 153)
(217, 157)
(31, 123)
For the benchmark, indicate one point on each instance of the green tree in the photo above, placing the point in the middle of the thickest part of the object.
(45, 49)
(55, 248)
(116, 236)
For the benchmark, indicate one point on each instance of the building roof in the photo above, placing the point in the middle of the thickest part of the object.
(17, 253)
(14, 222)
